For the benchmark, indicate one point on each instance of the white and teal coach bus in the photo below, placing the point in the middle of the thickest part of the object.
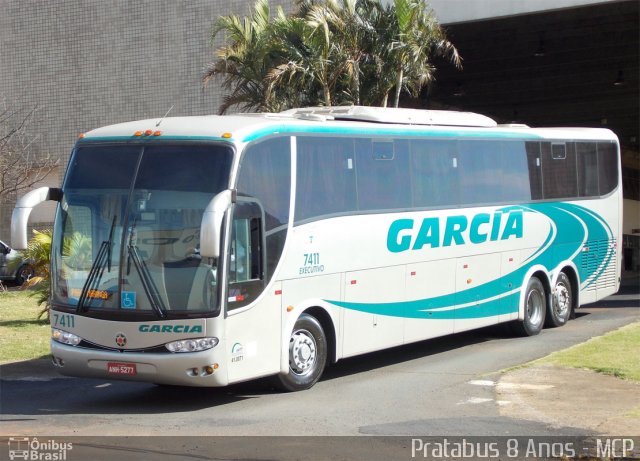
(205, 251)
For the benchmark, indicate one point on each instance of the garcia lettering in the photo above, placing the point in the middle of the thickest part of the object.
(407, 234)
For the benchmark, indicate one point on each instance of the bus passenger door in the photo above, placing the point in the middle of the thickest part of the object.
(253, 316)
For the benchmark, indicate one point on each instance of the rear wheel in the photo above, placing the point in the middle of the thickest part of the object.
(559, 309)
(535, 307)
(307, 355)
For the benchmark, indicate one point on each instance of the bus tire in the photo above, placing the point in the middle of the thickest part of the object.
(560, 305)
(307, 355)
(25, 272)
(535, 309)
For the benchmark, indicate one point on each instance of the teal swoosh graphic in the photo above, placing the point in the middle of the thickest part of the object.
(574, 225)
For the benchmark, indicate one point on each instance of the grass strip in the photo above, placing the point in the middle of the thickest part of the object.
(22, 335)
(616, 353)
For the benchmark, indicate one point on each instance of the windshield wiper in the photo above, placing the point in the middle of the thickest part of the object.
(97, 268)
(150, 288)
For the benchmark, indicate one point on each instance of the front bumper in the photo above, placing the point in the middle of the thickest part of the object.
(173, 369)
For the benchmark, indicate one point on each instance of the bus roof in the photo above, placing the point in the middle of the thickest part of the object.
(349, 120)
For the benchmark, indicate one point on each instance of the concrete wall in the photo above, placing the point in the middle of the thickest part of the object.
(89, 63)
(631, 217)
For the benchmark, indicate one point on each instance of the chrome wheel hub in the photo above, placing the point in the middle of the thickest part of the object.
(302, 352)
(535, 306)
(561, 300)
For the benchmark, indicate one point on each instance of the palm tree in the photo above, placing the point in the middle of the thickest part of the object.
(310, 54)
(328, 52)
(417, 37)
(38, 252)
(246, 60)
(377, 78)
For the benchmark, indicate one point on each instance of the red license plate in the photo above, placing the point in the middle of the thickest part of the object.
(119, 368)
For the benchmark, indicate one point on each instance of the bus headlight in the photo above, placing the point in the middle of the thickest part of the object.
(65, 337)
(192, 345)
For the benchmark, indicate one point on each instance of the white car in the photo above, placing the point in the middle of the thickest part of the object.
(10, 269)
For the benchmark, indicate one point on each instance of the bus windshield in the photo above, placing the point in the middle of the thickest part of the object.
(126, 237)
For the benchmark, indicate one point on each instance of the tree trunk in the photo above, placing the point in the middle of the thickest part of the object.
(356, 82)
(385, 99)
(398, 88)
(327, 95)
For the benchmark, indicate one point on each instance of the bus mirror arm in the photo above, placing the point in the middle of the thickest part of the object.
(22, 210)
(211, 227)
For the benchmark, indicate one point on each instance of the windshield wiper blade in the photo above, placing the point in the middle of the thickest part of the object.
(113, 225)
(93, 276)
(150, 288)
(97, 268)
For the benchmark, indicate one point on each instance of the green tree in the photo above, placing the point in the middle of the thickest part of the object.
(417, 37)
(76, 256)
(309, 57)
(38, 252)
(245, 60)
(328, 52)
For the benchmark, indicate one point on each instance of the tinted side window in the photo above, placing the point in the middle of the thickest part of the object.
(513, 172)
(434, 176)
(326, 182)
(493, 172)
(382, 171)
(559, 170)
(265, 175)
(535, 169)
(607, 167)
(587, 169)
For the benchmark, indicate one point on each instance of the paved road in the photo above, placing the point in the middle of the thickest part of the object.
(429, 388)
(416, 389)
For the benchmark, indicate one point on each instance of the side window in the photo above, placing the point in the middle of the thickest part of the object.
(78, 237)
(607, 167)
(587, 169)
(434, 176)
(382, 170)
(265, 176)
(534, 164)
(245, 261)
(326, 183)
(559, 170)
(493, 172)
(246, 254)
(513, 171)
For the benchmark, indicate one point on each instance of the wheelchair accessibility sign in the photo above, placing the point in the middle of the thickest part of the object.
(128, 299)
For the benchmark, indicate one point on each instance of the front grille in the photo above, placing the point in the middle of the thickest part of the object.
(149, 350)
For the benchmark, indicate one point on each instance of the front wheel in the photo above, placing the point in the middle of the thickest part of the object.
(25, 272)
(307, 355)
(559, 309)
(535, 308)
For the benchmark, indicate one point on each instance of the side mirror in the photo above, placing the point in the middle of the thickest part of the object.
(22, 210)
(211, 226)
